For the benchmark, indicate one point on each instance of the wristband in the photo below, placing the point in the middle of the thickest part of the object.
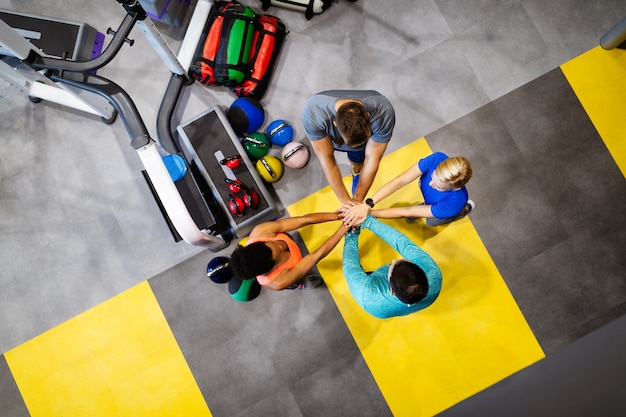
(369, 202)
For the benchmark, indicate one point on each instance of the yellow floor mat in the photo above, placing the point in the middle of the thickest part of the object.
(473, 336)
(118, 359)
(598, 78)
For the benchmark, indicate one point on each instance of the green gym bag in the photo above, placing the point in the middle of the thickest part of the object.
(232, 60)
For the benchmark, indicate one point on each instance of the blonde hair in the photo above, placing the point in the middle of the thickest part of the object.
(455, 171)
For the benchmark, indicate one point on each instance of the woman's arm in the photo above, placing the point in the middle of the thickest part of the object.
(308, 262)
(418, 210)
(291, 223)
(411, 174)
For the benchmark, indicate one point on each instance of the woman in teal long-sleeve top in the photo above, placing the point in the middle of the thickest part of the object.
(406, 289)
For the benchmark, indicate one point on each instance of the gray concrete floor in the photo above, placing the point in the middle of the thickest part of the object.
(78, 223)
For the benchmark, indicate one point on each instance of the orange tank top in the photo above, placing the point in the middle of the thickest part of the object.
(295, 256)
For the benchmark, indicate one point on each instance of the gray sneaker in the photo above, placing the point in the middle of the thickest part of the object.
(310, 282)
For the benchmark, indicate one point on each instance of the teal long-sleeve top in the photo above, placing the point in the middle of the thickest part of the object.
(372, 291)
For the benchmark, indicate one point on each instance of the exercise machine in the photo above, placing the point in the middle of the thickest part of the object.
(193, 203)
(615, 37)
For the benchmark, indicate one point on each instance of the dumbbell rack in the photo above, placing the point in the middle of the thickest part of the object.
(205, 140)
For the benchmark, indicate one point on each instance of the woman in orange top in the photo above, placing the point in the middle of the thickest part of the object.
(274, 258)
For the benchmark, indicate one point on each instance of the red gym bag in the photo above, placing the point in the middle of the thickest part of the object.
(270, 32)
(203, 66)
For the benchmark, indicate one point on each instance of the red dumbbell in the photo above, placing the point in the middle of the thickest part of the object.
(235, 205)
(232, 162)
(250, 198)
(234, 186)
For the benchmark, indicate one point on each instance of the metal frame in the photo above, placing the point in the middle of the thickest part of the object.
(45, 77)
(615, 37)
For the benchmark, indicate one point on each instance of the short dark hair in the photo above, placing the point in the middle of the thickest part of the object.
(249, 261)
(408, 282)
(353, 123)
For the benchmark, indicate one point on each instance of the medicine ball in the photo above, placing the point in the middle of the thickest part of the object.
(270, 168)
(244, 290)
(246, 115)
(280, 132)
(295, 155)
(219, 269)
(256, 145)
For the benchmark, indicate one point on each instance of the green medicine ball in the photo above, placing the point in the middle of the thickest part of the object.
(256, 145)
(244, 290)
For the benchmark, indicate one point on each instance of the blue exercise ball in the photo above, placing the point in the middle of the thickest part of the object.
(280, 132)
(246, 115)
(219, 270)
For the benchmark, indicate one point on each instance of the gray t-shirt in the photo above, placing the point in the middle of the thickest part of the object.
(319, 113)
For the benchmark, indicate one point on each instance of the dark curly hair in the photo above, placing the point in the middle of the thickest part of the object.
(353, 123)
(408, 282)
(249, 261)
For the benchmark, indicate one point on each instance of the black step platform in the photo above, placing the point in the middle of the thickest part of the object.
(206, 139)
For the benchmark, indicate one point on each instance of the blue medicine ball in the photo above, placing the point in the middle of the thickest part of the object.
(246, 115)
(219, 270)
(280, 132)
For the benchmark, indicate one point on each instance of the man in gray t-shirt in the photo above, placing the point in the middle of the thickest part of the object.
(357, 122)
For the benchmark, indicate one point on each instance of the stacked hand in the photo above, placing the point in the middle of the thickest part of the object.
(353, 213)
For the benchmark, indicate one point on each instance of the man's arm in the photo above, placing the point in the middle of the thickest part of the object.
(291, 223)
(404, 246)
(308, 262)
(351, 265)
(325, 152)
(393, 237)
(373, 154)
